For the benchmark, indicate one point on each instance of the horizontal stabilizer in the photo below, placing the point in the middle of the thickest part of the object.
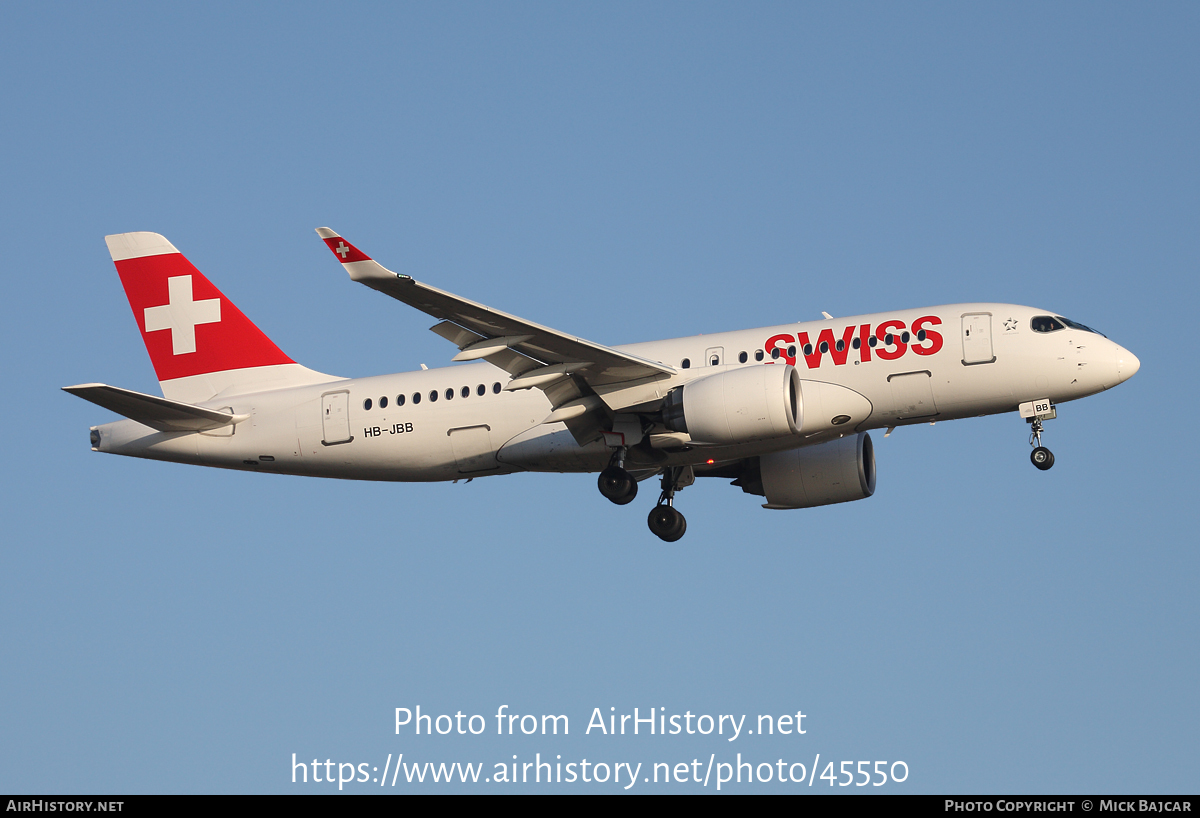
(157, 413)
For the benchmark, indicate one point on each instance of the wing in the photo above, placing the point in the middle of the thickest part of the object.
(578, 376)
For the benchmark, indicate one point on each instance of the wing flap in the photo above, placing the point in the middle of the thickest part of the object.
(157, 413)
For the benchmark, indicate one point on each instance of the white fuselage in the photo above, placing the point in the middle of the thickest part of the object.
(974, 359)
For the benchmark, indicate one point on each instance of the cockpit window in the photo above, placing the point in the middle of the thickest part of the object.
(1044, 323)
(1077, 325)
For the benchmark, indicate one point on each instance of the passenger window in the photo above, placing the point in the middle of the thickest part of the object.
(399, 400)
(921, 335)
(808, 350)
(450, 393)
(758, 354)
(742, 357)
(432, 395)
(887, 339)
(686, 363)
(496, 388)
(792, 351)
(466, 391)
(367, 404)
(775, 353)
(824, 346)
(481, 390)
(872, 341)
(841, 345)
(416, 398)
(904, 336)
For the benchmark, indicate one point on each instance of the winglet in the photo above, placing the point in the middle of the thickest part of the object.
(344, 250)
(358, 264)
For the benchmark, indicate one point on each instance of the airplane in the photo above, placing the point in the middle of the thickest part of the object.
(784, 412)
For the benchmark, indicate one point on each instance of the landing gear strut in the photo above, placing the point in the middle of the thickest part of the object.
(665, 522)
(1041, 457)
(615, 482)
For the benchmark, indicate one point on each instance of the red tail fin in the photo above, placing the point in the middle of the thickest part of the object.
(190, 329)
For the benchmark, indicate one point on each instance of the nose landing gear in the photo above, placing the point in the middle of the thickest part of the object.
(1041, 457)
(1034, 412)
(665, 521)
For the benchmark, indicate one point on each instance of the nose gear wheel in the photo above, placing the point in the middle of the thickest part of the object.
(1041, 457)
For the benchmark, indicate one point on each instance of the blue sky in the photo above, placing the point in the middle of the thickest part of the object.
(623, 172)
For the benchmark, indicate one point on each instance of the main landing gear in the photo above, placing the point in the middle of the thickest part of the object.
(1041, 457)
(665, 521)
(615, 483)
(619, 486)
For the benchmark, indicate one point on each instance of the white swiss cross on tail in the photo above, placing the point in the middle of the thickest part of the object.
(182, 314)
(342, 250)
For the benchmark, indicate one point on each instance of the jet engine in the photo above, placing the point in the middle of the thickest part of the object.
(737, 406)
(834, 472)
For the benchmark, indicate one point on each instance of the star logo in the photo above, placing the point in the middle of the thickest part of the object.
(1010, 325)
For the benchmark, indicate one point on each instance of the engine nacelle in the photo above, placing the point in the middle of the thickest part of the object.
(737, 406)
(834, 472)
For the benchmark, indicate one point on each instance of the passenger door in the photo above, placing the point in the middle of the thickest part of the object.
(335, 417)
(977, 338)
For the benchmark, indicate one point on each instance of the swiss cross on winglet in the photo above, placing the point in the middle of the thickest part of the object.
(344, 250)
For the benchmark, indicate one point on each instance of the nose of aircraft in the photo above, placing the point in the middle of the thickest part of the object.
(1127, 364)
